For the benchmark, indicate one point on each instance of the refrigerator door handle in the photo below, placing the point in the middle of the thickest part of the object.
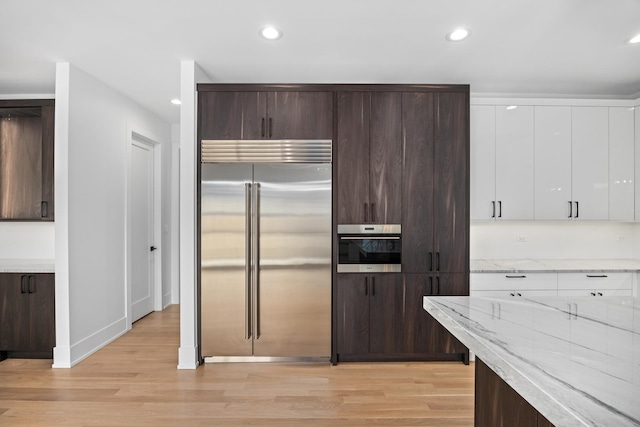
(256, 261)
(247, 262)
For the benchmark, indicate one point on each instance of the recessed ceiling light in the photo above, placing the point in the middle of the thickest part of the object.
(270, 32)
(512, 107)
(458, 34)
(635, 39)
(176, 101)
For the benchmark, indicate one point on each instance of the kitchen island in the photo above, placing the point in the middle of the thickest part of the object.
(574, 360)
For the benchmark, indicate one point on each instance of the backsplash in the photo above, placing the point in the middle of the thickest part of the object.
(27, 240)
(554, 240)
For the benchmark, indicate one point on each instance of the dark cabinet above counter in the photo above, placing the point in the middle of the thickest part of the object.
(26, 160)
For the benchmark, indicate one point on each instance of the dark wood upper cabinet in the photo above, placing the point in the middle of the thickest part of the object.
(265, 115)
(369, 157)
(26, 160)
(435, 183)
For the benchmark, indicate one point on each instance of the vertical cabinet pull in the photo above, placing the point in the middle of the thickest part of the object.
(577, 210)
(430, 261)
(570, 209)
(23, 284)
(373, 212)
(366, 212)
(373, 286)
(438, 285)
(438, 261)
(270, 127)
(263, 132)
(499, 208)
(44, 209)
(366, 286)
(247, 259)
(430, 285)
(32, 284)
(493, 209)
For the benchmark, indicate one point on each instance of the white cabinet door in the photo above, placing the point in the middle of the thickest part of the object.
(552, 162)
(637, 177)
(514, 162)
(513, 281)
(595, 281)
(589, 162)
(483, 161)
(621, 152)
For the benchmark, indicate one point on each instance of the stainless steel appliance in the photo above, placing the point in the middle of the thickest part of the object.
(265, 247)
(369, 248)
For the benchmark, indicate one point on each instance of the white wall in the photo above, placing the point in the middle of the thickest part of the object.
(92, 126)
(554, 240)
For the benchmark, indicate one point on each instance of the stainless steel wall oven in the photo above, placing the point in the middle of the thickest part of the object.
(369, 248)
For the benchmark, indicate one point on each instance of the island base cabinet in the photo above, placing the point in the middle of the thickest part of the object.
(498, 405)
(27, 315)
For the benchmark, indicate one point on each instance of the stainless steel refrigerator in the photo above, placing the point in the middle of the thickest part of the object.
(265, 249)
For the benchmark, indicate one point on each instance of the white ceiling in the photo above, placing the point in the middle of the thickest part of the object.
(565, 48)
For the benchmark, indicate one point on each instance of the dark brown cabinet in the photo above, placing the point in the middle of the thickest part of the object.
(435, 184)
(26, 160)
(265, 115)
(370, 314)
(369, 157)
(424, 335)
(27, 315)
(497, 404)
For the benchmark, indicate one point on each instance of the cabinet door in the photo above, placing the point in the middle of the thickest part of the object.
(423, 334)
(48, 202)
(14, 312)
(552, 162)
(353, 314)
(483, 162)
(637, 161)
(451, 190)
(417, 181)
(232, 115)
(352, 161)
(386, 300)
(514, 162)
(621, 152)
(385, 150)
(300, 115)
(21, 165)
(589, 162)
(41, 297)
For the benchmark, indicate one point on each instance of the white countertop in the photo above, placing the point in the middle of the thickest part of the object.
(27, 266)
(576, 360)
(552, 265)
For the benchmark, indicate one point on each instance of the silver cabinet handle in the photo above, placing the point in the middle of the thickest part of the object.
(575, 311)
(247, 260)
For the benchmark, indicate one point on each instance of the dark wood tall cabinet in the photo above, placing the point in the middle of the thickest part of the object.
(27, 315)
(369, 160)
(26, 160)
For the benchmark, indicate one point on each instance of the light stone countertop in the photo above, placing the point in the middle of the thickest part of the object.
(576, 360)
(27, 266)
(553, 265)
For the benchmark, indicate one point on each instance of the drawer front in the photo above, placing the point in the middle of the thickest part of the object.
(513, 281)
(595, 292)
(515, 294)
(595, 281)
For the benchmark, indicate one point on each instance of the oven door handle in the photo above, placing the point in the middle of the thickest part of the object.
(365, 237)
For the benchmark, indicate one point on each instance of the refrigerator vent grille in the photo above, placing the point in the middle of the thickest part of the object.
(266, 151)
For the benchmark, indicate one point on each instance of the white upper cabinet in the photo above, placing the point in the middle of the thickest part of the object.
(637, 168)
(514, 162)
(621, 152)
(552, 162)
(483, 161)
(590, 163)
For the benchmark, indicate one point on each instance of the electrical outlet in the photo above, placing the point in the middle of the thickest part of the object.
(521, 239)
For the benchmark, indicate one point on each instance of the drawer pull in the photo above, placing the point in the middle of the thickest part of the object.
(515, 277)
(597, 275)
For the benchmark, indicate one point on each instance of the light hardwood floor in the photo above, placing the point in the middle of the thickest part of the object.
(134, 382)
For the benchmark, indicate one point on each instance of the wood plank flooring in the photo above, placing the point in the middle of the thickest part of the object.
(134, 382)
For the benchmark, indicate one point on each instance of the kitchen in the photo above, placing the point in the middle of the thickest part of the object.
(601, 240)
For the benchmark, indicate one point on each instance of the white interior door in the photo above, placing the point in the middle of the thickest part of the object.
(142, 226)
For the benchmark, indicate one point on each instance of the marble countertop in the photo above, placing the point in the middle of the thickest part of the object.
(553, 265)
(27, 266)
(576, 360)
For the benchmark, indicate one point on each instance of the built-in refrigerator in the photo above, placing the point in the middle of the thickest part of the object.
(265, 250)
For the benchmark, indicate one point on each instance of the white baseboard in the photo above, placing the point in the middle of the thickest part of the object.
(188, 358)
(66, 357)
